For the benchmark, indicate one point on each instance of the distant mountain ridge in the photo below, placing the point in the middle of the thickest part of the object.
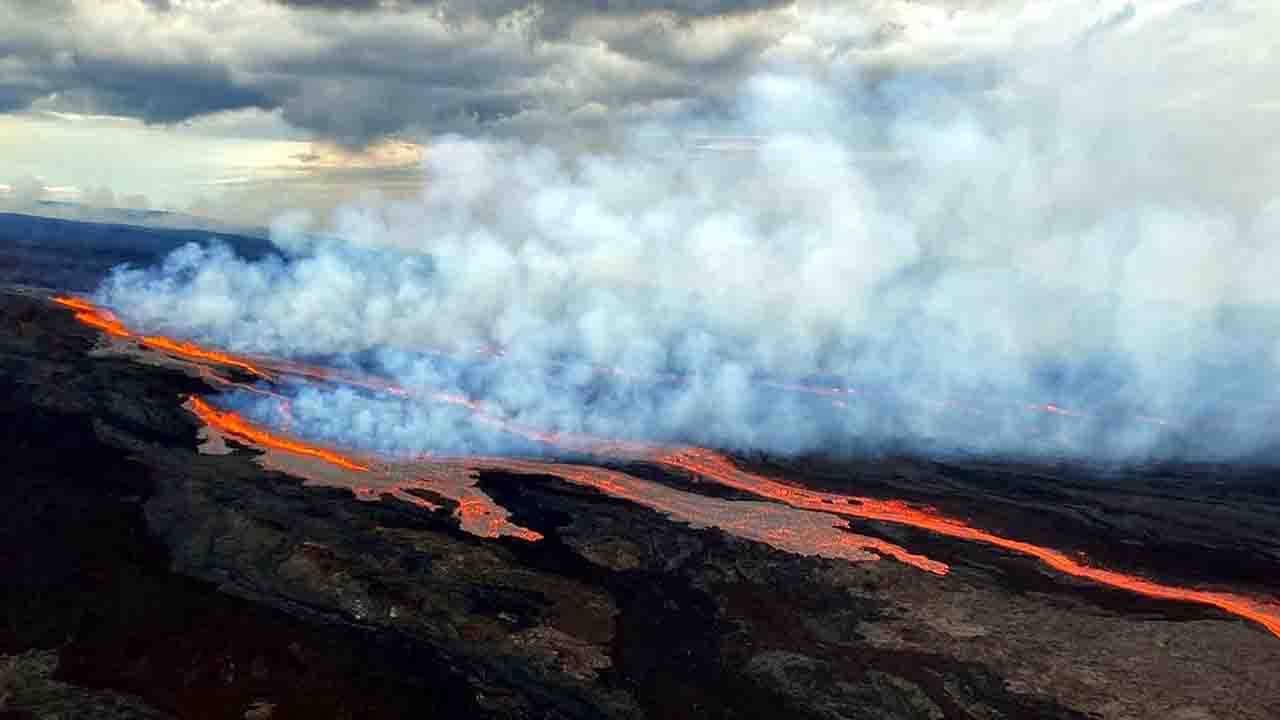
(75, 255)
(146, 217)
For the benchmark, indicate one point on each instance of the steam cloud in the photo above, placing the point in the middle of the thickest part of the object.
(1089, 222)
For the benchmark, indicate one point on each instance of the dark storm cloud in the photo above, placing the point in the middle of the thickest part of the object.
(334, 4)
(42, 55)
(159, 92)
(554, 18)
(151, 90)
(13, 97)
(558, 8)
(352, 110)
(356, 70)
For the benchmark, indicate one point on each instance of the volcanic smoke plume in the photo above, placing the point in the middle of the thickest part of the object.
(1038, 254)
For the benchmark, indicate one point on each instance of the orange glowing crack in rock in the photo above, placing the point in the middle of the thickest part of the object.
(700, 462)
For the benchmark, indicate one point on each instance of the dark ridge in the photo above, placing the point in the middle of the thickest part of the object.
(75, 256)
(84, 576)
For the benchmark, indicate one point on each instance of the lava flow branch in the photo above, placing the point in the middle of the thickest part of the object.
(713, 466)
(702, 463)
(795, 530)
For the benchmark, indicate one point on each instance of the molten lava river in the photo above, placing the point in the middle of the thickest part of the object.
(784, 515)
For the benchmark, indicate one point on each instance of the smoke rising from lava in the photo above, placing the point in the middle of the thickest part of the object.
(1088, 223)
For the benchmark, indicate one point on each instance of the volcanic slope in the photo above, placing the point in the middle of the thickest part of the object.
(169, 581)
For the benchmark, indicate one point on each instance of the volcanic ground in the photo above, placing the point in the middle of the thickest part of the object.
(165, 558)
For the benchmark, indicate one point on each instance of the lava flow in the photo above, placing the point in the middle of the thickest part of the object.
(103, 320)
(794, 530)
(790, 529)
(234, 425)
(713, 466)
(476, 512)
(800, 536)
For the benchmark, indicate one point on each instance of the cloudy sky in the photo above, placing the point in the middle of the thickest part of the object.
(1099, 177)
(243, 108)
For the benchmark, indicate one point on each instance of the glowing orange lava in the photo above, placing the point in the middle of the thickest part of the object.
(75, 303)
(195, 352)
(476, 512)
(104, 320)
(716, 467)
(232, 424)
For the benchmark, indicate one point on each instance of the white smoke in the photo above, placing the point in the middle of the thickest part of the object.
(1090, 222)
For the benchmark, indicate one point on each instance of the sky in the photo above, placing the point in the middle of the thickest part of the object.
(245, 109)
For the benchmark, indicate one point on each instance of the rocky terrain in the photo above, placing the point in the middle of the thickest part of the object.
(144, 578)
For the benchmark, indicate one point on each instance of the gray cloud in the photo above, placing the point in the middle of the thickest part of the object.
(16, 97)
(570, 9)
(356, 71)
(350, 5)
(156, 92)
(46, 54)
